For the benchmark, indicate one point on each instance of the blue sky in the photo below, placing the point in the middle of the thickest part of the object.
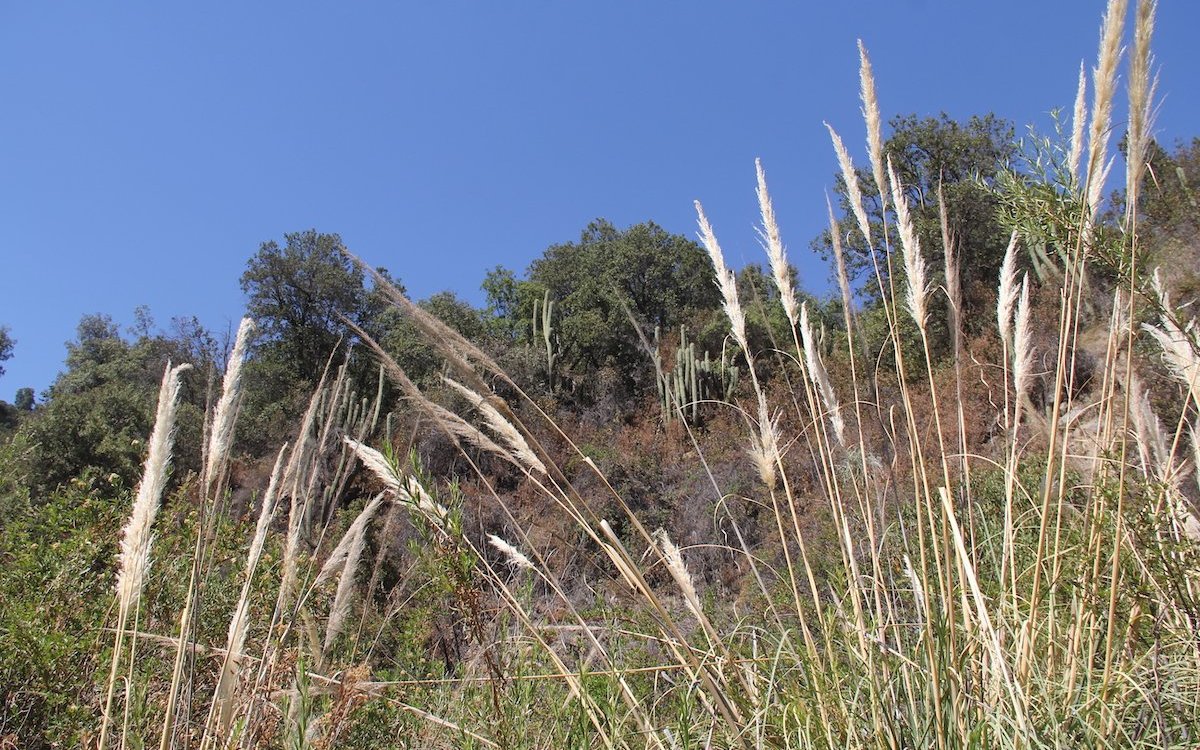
(147, 149)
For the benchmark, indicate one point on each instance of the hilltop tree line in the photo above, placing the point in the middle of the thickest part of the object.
(580, 328)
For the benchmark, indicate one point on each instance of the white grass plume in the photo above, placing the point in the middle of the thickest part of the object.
(764, 450)
(1078, 121)
(1006, 296)
(1022, 343)
(1104, 81)
(843, 278)
(853, 189)
(1141, 95)
(355, 541)
(136, 536)
(406, 489)
(773, 243)
(1179, 344)
(726, 281)
(679, 573)
(820, 377)
(870, 112)
(511, 553)
(221, 438)
(336, 562)
(501, 426)
(910, 249)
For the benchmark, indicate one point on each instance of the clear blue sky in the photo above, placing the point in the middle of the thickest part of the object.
(147, 149)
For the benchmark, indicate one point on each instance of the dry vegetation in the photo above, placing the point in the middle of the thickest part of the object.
(997, 552)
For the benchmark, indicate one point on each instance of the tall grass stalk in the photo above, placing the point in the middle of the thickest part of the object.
(137, 535)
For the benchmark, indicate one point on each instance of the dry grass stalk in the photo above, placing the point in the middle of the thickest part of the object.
(136, 536)
(820, 377)
(235, 644)
(773, 242)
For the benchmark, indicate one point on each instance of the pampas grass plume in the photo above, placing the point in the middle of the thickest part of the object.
(774, 246)
(511, 553)
(225, 417)
(501, 426)
(1006, 295)
(135, 538)
(870, 111)
(726, 281)
(850, 177)
(1078, 120)
(910, 249)
(820, 377)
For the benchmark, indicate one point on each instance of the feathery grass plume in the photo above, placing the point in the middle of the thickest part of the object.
(406, 489)
(225, 417)
(354, 542)
(1104, 83)
(376, 462)
(511, 553)
(235, 644)
(501, 426)
(1179, 345)
(452, 345)
(1006, 295)
(336, 562)
(1149, 439)
(910, 249)
(870, 112)
(134, 558)
(1141, 95)
(764, 450)
(850, 177)
(726, 281)
(1078, 120)
(453, 425)
(1022, 343)
(820, 377)
(774, 246)
(835, 239)
(679, 573)
(136, 536)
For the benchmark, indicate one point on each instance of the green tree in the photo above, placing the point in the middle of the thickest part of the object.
(298, 294)
(24, 399)
(665, 280)
(96, 415)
